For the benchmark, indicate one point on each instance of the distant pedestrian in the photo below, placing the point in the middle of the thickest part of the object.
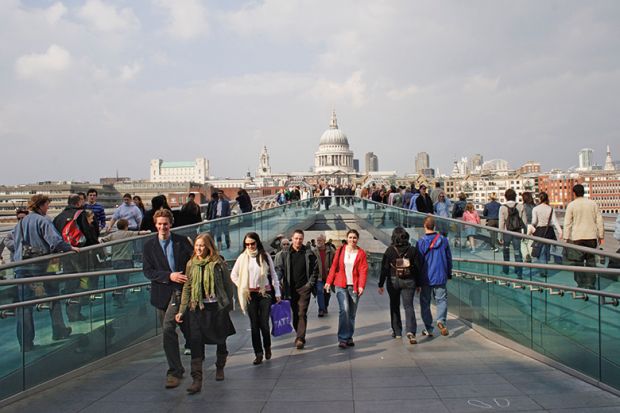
(424, 203)
(257, 287)
(218, 208)
(208, 293)
(471, 216)
(137, 200)
(244, 201)
(491, 215)
(190, 211)
(401, 274)
(513, 220)
(97, 208)
(325, 257)
(546, 223)
(436, 271)
(526, 243)
(128, 211)
(9, 240)
(442, 209)
(583, 226)
(436, 192)
(348, 274)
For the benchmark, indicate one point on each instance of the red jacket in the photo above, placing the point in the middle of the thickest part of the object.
(337, 275)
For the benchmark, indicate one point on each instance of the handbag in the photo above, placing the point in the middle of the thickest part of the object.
(543, 232)
(28, 251)
(281, 316)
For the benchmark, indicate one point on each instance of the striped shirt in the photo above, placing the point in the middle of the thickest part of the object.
(99, 212)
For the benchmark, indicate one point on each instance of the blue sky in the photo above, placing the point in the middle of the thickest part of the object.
(92, 87)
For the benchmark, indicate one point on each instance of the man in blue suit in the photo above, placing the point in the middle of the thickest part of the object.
(219, 207)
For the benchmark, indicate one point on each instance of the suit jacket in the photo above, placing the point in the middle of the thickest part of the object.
(155, 267)
(212, 209)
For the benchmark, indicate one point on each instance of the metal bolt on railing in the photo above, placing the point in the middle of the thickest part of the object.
(135, 290)
(577, 296)
(518, 286)
(614, 301)
(43, 306)
(558, 292)
(490, 281)
(535, 288)
(7, 314)
(500, 282)
(73, 301)
(95, 297)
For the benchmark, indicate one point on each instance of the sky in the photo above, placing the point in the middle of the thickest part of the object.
(92, 88)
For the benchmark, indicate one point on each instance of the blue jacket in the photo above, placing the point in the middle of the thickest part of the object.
(442, 209)
(491, 210)
(38, 231)
(437, 262)
(412, 202)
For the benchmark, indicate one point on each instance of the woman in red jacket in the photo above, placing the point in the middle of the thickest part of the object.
(348, 274)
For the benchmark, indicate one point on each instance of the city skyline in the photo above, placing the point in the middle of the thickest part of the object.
(123, 83)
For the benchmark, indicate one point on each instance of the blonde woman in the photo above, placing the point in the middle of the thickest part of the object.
(209, 294)
(256, 281)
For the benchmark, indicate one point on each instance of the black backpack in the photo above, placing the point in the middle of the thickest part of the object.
(514, 222)
(401, 267)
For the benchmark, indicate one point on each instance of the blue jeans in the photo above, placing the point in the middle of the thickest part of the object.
(347, 300)
(441, 301)
(516, 246)
(322, 297)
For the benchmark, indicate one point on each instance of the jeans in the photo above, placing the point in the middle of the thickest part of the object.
(347, 300)
(259, 309)
(516, 246)
(441, 301)
(402, 290)
(171, 339)
(25, 321)
(322, 296)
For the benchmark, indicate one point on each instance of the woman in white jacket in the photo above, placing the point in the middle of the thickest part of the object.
(543, 216)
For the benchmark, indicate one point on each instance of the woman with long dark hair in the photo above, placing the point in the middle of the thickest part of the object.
(348, 273)
(546, 225)
(257, 282)
(400, 272)
(209, 294)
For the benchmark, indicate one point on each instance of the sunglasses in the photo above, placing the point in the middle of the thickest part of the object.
(249, 244)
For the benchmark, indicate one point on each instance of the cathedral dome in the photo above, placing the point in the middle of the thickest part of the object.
(333, 135)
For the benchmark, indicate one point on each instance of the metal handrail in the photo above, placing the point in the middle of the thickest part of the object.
(547, 286)
(572, 268)
(501, 231)
(106, 244)
(62, 277)
(68, 296)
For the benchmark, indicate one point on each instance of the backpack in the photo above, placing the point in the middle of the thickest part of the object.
(402, 265)
(412, 203)
(514, 222)
(458, 210)
(397, 200)
(71, 232)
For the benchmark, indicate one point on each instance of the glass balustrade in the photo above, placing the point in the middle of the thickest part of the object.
(582, 334)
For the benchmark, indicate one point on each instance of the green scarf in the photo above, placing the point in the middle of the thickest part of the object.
(202, 280)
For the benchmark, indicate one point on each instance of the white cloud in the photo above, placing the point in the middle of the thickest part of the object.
(129, 72)
(55, 12)
(42, 66)
(481, 84)
(107, 18)
(188, 18)
(397, 94)
(353, 89)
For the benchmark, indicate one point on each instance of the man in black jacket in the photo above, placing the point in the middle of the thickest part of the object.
(424, 202)
(164, 262)
(299, 275)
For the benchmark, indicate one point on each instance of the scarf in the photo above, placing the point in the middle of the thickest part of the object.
(202, 281)
(243, 288)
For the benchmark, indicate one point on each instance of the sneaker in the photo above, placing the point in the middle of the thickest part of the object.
(427, 333)
(442, 327)
(350, 343)
(411, 338)
(342, 344)
(187, 352)
(394, 335)
(321, 313)
(299, 344)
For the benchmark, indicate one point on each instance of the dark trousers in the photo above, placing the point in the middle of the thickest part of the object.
(300, 300)
(259, 309)
(25, 319)
(197, 342)
(585, 279)
(170, 336)
(515, 241)
(395, 320)
(121, 280)
(493, 223)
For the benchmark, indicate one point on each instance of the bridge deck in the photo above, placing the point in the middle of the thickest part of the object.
(460, 373)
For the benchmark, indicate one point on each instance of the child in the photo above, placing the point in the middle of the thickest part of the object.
(470, 215)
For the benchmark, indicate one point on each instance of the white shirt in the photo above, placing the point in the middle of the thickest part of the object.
(349, 260)
(254, 270)
(218, 210)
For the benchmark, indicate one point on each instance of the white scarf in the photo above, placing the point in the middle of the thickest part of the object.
(243, 289)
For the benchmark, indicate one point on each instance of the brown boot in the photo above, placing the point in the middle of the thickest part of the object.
(196, 372)
(220, 362)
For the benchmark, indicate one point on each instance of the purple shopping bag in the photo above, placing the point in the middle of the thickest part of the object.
(281, 318)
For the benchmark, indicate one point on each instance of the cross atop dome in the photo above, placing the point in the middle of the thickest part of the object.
(334, 122)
